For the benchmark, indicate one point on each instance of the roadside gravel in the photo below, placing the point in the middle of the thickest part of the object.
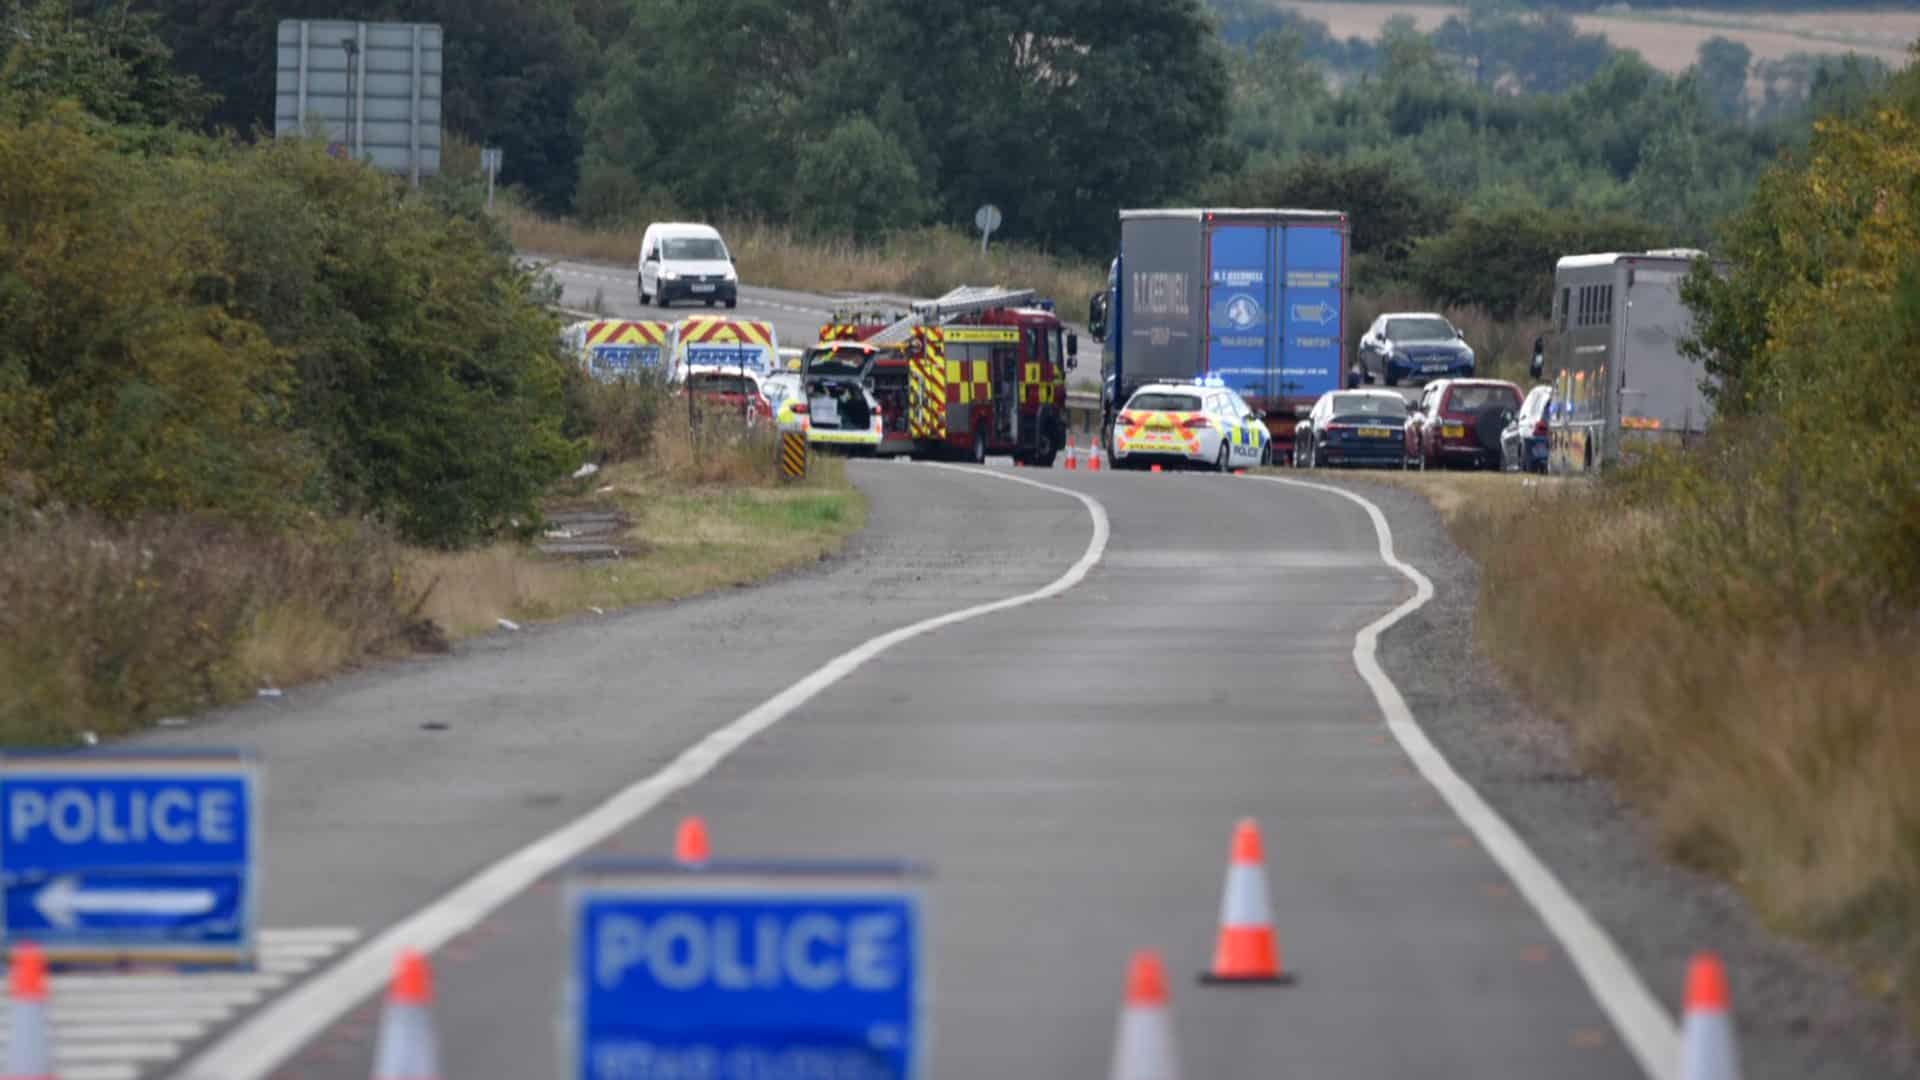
(1799, 1015)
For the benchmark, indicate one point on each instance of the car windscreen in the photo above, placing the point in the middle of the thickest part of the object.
(1361, 407)
(693, 248)
(1160, 402)
(722, 384)
(836, 361)
(1421, 329)
(1469, 399)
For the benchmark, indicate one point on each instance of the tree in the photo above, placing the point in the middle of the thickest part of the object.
(126, 385)
(1721, 75)
(113, 63)
(514, 70)
(1389, 205)
(856, 183)
(1503, 259)
(1057, 112)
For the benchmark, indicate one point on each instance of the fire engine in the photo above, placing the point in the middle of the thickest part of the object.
(979, 371)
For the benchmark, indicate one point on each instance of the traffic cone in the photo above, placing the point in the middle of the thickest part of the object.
(1706, 1036)
(1073, 454)
(408, 1050)
(1093, 458)
(1143, 1047)
(29, 1048)
(1246, 951)
(690, 846)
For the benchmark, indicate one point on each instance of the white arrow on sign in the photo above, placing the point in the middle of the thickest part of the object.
(62, 901)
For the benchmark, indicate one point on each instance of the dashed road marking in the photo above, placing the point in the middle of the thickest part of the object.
(124, 1026)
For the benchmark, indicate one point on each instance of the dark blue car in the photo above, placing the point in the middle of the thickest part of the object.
(1414, 347)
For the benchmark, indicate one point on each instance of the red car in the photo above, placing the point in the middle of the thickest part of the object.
(1459, 422)
(724, 391)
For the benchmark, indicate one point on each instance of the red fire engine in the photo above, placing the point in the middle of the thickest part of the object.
(976, 372)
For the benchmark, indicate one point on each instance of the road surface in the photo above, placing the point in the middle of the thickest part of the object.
(1070, 768)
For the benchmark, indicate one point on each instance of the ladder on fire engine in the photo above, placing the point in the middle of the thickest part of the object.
(962, 301)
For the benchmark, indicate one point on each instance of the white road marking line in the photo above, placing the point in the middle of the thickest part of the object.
(116, 1052)
(139, 1013)
(99, 1072)
(82, 985)
(270, 1036)
(170, 1028)
(1644, 1025)
(273, 940)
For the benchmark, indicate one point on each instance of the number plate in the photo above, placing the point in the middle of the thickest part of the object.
(825, 411)
(703, 288)
(1453, 431)
(1376, 433)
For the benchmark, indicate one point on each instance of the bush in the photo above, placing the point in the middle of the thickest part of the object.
(617, 419)
(106, 626)
(424, 371)
(126, 385)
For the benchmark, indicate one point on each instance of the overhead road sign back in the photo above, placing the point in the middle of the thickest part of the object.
(130, 858)
(372, 88)
(741, 971)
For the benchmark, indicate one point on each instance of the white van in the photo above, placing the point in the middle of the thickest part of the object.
(681, 261)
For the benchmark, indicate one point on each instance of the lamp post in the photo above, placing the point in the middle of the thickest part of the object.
(353, 50)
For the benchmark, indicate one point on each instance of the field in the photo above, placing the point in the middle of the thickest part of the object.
(1670, 39)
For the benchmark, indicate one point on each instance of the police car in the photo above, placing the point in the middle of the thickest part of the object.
(1199, 423)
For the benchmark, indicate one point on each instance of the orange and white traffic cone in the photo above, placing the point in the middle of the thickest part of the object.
(29, 1047)
(690, 846)
(1143, 1047)
(408, 1049)
(1706, 1036)
(1073, 454)
(1093, 456)
(1246, 951)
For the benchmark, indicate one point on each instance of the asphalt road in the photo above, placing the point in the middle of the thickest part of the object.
(1071, 769)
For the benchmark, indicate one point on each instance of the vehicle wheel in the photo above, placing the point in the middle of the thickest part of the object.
(710, 303)
(1266, 456)
(660, 295)
(643, 291)
(732, 302)
(979, 446)
(1313, 456)
(1223, 462)
(1387, 376)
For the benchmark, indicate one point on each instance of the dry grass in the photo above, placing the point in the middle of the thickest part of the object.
(924, 262)
(104, 627)
(1671, 40)
(1775, 757)
(705, 517)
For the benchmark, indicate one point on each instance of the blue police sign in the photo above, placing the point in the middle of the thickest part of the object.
(746, 971)
(140, 857)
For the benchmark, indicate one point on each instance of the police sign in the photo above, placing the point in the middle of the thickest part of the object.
(140, 857)
(745, 972)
